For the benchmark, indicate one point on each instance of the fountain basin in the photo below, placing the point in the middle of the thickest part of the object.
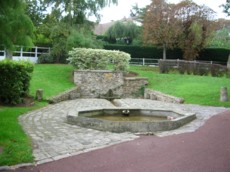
(143, 120)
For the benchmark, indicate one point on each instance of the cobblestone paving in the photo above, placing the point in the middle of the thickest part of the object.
(54, 139)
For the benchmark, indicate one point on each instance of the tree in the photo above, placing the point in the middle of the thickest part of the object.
(185, 25)
(160, 26)
(227, 7)
(16, 27)
(138, 13)
(121, 30)
(197, 28)
(221, 39)
(35, 9)
(77, 10)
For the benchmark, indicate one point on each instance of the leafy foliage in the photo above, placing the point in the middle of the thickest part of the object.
(197, 28)
(16, 27)
(76, 11)
(123, 31)
(227, 7)
(186, 25)
(161, 25)
(97, 59)
(45, 58)
(82, 38)
(221, 39)
(15, 80)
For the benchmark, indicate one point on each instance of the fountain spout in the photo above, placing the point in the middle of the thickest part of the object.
(125, 112)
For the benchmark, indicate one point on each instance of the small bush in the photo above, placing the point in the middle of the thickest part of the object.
(45, 58)
(14, 80)
(183, 66)
(98, 59)
(218, 70)
(163, 66)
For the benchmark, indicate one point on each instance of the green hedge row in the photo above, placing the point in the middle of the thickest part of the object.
(14, 80)
(209, 54)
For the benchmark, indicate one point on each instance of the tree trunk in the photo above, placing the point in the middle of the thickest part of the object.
(164, 51)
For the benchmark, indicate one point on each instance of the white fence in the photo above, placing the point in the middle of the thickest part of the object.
(26, 53)
(154, 62)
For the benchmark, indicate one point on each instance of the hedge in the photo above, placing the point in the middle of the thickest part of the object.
(14, 80)
(98, 59)
(209, 54)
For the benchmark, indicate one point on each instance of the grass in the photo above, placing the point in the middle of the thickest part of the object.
(203, 90)
(53, 79)
(17, 147)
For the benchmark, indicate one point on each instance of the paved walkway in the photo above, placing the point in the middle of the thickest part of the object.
(54, 139)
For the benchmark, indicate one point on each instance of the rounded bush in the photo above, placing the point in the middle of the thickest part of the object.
(14, 80)
(98, 59)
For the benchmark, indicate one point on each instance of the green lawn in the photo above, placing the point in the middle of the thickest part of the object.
(53, 79)
(17, 147)
(203, 90)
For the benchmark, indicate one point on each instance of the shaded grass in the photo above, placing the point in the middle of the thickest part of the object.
(17, 147)
(203, 90)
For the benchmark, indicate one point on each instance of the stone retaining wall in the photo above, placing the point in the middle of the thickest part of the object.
(95, 84)
(156, 95)
(134, 87)
(67, 95)
(98, 84)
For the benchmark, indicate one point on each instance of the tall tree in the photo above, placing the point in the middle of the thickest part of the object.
(16, 27)
(197, 28)
(160, 26)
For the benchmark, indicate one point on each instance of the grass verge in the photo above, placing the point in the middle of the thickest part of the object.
(203, 90)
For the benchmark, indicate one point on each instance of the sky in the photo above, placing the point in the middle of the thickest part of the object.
(117, 12)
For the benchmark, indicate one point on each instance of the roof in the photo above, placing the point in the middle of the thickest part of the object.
(100, 29)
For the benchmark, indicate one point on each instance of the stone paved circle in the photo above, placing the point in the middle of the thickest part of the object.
(54, 139)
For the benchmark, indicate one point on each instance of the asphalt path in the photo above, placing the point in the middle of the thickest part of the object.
(205, 150)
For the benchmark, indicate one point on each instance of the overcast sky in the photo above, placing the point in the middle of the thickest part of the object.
(124, 6)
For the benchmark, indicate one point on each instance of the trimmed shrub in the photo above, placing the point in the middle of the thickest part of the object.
(45, 58)
(14, 80)
(98, 59)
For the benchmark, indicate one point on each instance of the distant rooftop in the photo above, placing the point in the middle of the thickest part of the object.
(100, 29)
